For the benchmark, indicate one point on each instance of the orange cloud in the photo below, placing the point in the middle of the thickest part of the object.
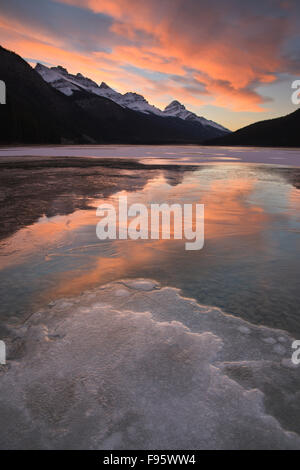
(185, 35)
(229, 52)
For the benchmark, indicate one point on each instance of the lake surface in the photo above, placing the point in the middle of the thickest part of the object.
(186, 154)
(105, 352)
(249, 265)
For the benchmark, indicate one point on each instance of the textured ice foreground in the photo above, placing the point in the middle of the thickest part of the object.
(132, 365)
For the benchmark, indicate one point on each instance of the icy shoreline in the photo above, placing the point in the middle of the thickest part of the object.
(132, 365)
(160, 154)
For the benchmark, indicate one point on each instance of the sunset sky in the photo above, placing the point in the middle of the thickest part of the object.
(230, 61)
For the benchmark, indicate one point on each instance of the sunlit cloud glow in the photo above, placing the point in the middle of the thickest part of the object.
(195, 51)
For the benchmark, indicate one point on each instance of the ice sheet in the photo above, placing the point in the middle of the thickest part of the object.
(132, 365)
(168, 154)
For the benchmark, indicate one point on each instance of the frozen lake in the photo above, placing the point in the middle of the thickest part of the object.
(122, 344)
(187, 154)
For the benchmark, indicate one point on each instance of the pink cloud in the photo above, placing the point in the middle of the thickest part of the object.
(240, 50)
(229, 50)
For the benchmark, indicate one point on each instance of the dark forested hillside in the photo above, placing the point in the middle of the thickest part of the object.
(279, 132)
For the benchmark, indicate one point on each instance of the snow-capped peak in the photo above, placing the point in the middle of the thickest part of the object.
(139, 103)
(49, 75)
(176, 109)
(60, 79)
(174, 106)
(134, 97)
(60, 69)
(104, 86)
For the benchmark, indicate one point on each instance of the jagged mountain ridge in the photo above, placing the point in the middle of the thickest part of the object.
(37, 112)
(67, 83)
(177, 109)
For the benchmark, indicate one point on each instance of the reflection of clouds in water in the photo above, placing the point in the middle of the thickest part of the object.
(226, 214)
(223, 192)
(61, 255)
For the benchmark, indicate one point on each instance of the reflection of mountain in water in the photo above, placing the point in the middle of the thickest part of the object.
(59, 186)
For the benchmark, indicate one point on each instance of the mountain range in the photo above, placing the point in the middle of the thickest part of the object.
(60, 79)
(51, 106)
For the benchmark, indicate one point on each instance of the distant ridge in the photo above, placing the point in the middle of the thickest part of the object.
(279, 132)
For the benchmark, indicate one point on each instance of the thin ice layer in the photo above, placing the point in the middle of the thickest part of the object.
(135, 366)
